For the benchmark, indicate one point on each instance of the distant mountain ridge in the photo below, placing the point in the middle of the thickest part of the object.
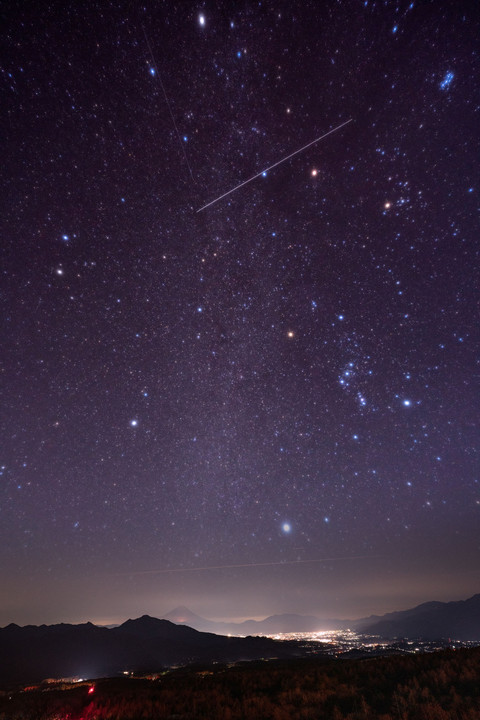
(268, 626)
(459, 620)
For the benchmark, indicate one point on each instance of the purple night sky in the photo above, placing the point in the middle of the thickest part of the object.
(270, 405)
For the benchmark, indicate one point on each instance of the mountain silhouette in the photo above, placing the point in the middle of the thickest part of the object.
(268, 626)
(33, 653)
(458, 620)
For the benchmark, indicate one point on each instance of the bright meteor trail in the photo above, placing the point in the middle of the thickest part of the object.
(245, 182)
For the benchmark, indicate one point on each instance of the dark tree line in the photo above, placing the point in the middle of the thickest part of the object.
(437, 686)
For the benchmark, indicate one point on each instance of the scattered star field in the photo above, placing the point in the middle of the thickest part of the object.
(290, 374)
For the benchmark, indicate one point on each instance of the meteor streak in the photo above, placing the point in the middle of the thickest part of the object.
(245, 182)
(247, 565)
(167, 102)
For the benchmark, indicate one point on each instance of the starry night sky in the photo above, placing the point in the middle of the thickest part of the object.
(285, 381)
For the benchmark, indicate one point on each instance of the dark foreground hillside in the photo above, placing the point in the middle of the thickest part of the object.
(438, 686)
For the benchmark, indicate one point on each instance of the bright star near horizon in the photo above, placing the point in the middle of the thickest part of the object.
(286, 528)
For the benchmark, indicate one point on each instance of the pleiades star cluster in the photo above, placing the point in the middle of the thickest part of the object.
(272, 404)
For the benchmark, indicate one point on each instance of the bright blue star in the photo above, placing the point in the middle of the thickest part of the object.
(286, 528)
(394, 29)
(151, 71)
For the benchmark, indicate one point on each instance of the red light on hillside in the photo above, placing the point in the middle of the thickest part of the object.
(91, 689)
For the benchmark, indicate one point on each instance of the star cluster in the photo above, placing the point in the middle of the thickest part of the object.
(288, 375)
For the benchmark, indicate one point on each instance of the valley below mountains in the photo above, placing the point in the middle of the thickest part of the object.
(31, 654)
